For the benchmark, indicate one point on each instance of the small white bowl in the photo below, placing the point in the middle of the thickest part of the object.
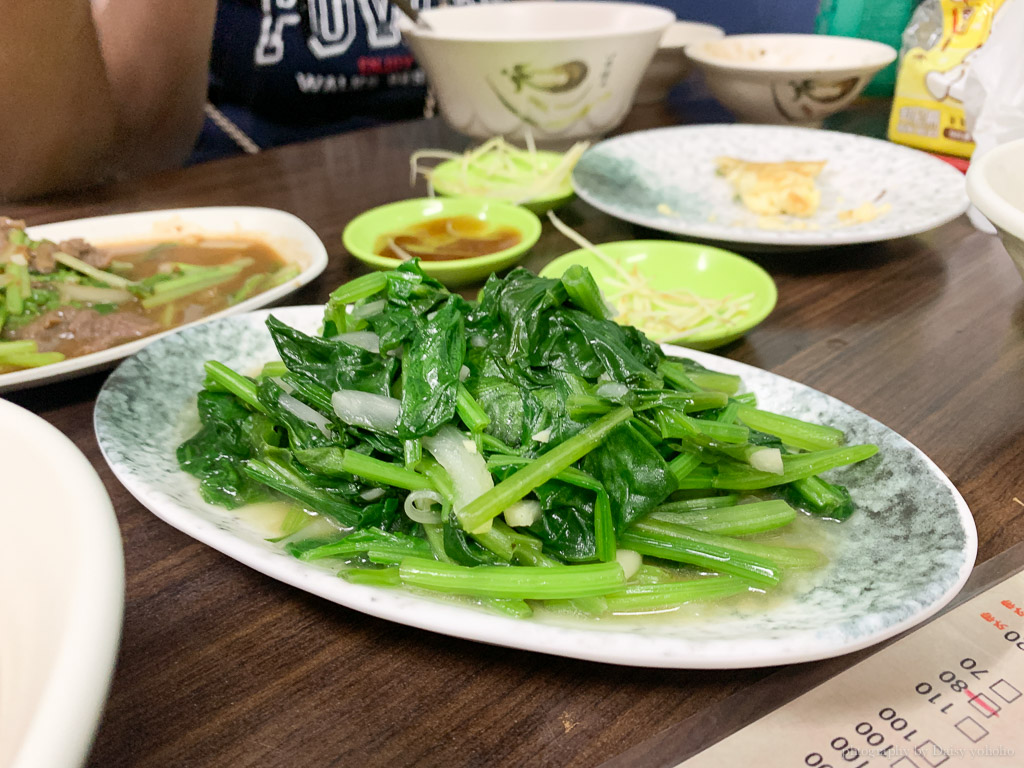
(563, 70)
(788, 79)
(670, 63)
(61, 595)
(995, 184)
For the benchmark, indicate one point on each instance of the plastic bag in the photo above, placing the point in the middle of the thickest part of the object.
(941, 44)
(994, 85)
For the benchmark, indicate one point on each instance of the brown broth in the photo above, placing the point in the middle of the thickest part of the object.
(83, 330)
(147, 260)
(448, 238)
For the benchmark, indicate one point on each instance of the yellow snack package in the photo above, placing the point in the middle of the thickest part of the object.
(927, 107)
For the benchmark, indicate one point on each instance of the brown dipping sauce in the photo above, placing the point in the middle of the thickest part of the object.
(79, 329)
(447, 239)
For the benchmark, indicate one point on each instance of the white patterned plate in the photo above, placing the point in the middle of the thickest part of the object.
(665, 179)
(291, 237)
(901, 557)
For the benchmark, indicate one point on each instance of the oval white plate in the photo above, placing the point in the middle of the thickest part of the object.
(287, 234)
(631, 176)
(903, 556)
(61, 595)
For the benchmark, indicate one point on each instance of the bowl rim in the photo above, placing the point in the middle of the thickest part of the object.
(983, 195)
(527, 221)
(769, 293)
(714, 33)
(79, 674)
(887, 55)
(660, 20)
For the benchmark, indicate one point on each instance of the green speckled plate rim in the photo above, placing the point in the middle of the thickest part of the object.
(903, 556)
(362, 232)
(444, 173)
(676, 266)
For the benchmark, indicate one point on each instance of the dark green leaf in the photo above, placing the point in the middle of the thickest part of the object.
(461, 548)
(216, 453)
(333, 364)
(567, 525)
(633, 472)
(430, 372)
(502, 401)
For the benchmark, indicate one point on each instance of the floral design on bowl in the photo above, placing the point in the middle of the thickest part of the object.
(551, 98)
(801, 101)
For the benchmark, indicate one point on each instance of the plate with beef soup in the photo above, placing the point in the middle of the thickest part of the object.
(79, 295)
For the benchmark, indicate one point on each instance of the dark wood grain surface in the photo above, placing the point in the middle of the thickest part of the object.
(222, 666)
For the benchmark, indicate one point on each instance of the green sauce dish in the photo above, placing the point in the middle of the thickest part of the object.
(367, 233)
(694, 295)
(496, 177)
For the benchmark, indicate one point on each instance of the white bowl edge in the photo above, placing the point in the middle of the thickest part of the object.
(886, 55)
(693, 31)
(998, 161)
(639, 18)
(60, 731)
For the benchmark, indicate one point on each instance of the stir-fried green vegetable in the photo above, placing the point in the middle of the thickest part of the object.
(519, 448)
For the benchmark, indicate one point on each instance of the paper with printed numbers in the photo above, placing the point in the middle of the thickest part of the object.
(950, 694)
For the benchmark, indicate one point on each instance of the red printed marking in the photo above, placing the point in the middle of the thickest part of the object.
(1015, 608)
(382, 65)
(981, 703)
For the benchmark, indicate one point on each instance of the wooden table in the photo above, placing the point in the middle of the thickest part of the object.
(221, 666)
